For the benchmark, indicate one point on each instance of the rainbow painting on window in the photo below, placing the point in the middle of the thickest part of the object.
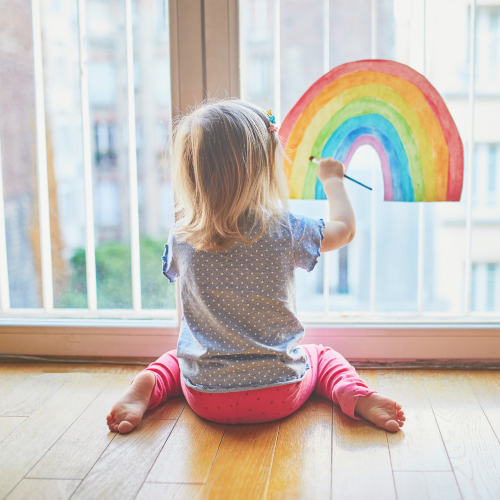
(388, 106)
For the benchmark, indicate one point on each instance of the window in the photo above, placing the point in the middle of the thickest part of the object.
(485, 283)
(102, 78)
(488, 48)
(126, 232)
(98, 155)
(108, 204)
(486, 193)
(407, 260)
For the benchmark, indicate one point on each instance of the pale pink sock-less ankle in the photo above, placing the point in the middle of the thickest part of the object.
(330, 376)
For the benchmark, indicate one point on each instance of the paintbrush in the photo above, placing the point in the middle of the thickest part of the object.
(315, 160)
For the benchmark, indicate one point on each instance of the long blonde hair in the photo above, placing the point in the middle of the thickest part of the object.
(226, 168)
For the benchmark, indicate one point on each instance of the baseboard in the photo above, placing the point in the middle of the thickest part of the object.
(418, 364)
(370, 348)
(93, 360)
(82, 345)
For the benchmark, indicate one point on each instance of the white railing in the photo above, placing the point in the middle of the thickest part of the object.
(42, 174)
(87, 162)
(48, 310)
(326, 67)
(470, 156)
(374, 194)
(421, 207)
(132, 162)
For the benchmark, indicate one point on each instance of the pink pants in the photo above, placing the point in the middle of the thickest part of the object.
(330, 376)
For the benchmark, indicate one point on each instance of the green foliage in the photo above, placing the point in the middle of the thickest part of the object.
(157, 291)
(114, 278)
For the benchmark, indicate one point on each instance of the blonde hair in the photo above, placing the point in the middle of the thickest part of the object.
(227, 175)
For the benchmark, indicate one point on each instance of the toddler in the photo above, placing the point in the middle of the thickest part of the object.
(235, 248)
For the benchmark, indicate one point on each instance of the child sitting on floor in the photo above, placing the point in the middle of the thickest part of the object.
(235, 249)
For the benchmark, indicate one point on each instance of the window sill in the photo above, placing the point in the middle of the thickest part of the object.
(365, 341)
(408, 320)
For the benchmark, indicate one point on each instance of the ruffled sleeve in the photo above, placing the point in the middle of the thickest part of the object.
(169, 265)
(307, 235)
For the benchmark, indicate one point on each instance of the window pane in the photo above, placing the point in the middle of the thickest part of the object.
(400, 37)
(107, 84)
(349, 43)
(153, 126)
(257, 52)
(486, 209)
(350, 266)
(487, 53)
(63, 124)
(301, 49)
(445, 237)
(396, 223)
(19, 164)
(310, 285)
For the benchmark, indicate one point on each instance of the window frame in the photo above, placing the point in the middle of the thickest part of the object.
(196, 69)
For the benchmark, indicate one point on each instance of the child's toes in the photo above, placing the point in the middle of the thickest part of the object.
(125, 427)
(392, 425)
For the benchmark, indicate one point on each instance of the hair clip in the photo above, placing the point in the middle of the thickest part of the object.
(272, 119)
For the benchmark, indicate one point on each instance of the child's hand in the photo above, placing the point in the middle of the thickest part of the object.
(330, 168)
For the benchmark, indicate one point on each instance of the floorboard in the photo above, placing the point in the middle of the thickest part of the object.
(472, 446)
(8, 425)
(170, 410)
(361, 463)
(29, 394)
(22, 449)
(243, 463)
(122, 469)
(170, 492)
(486, 387)
(194, 442)
(43, 489)
(9, 381)
(426, 485)
(302, 460)
(418, 446)
(74, 454)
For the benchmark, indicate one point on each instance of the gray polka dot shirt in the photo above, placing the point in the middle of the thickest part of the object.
(239, 329)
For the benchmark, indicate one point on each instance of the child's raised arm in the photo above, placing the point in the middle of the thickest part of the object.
(341, 228)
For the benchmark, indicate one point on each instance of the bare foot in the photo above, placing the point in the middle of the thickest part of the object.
(382, 411)
(127, 412)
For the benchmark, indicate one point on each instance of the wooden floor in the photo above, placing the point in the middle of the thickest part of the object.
(54, 443)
